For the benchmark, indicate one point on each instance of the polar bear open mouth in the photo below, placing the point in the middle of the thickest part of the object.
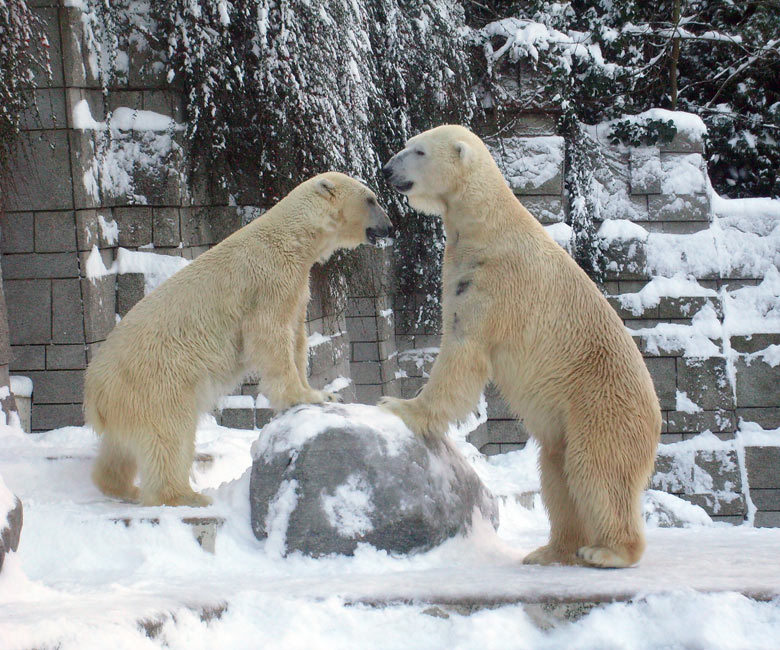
(404, 186)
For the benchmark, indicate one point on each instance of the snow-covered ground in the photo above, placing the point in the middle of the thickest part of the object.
(82, 578)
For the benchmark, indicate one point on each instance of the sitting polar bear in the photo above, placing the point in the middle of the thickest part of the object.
(237, 308)
(518, 310)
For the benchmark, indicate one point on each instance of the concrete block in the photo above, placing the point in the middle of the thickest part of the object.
(715, 421)
(17, 232)
(66, 357)
(646, 171)
(763, 467)
(129, 291)
(365, 352)
(507, 431)
(678, 207)
(547, 209)
(627, 259)
(361, 307)
(45, 110)
(263, 416)
(166, 227)
(766, 499)
(497, 408)
(767, 418)
(27, 357)
(29, 310)
(320, 358)
(195, 227)
(767, 519)
(362, 329)
(51, 27)
(224, 221)
(758, 383)
(754, 343)
(67, 312)
(664, 374)
(82, 156)
(237, 418)
(40, 165)
(532, 165)
(680, 227)
(57, 387)
(99, 297)
(683, 142)
(368, 372)
(686, 307)
(705, 381)
(368, 393)
(52, 416)
(55, 232)
(135, 226)
(27, 266)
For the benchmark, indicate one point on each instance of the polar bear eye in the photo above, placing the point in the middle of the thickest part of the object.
(371, 200)
(419, 152)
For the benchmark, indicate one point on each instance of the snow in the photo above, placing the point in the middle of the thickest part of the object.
(620, 230)
(685, 405)
(349, 507)
(83, 579)
(21, 386)
(155, 268)
(317, 339)
(338, 384)
(237, 402)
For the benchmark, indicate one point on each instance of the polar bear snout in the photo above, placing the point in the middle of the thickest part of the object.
(395, 176)
(380, 225)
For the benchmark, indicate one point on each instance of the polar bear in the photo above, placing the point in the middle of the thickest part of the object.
(237, 308)
(518, 310)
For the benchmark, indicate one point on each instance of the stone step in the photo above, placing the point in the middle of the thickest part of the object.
(204, 529)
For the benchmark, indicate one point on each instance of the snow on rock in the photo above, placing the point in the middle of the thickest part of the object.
(621, 229)
(155, 268)
(664, 510)
(530, 163)
(678, 286)
(21, 386)
(328, 478)
(10, 521)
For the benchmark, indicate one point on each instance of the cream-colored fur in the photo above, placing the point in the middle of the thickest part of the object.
(518, 310)
(238, 308)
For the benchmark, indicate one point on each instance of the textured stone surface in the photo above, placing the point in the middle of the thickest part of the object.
(129, 290)
(327, 478)
(758, 383)
(705, 381)
(29, 311)
(42, 160)
(11, 533)
(763, 467)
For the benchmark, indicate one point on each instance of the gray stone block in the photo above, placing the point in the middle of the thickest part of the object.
(664, 374)
(767, 418)
(224, 221)
(40, 165)
(627, 259)
(135, 226)
(368, 372)
(99, 297)
(29, 310)
(715, 421)
(17, 232)
(27, 357)
(67, 314)
(683, 142)
(678, 207)
(765, 499)
(362, 329)
(166, 227)
(706, 383)
(680, 227)
(195, 227)
(45, 110)
(66, 357)
(763, 467)
(57, 387)
(358, 483)
(758, 383)
(51, 27)
(532, 165)
(646, 171)
(11, 531)
(368, 393)
(686, 307)
(547, 209)
(320, 358)
(507, 431)
(754, 342)
(237, 418)
(479, 437)
(361, 307)
(129, 291)
(55, 232)
(365, 352)
(767, 519)
(52, 416)
(27, 266)
(263, 416)
(82, 156)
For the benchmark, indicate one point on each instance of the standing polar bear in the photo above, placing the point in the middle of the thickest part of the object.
(518, 310)
(237, 308)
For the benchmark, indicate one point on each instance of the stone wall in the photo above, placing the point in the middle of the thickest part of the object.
(93, 223)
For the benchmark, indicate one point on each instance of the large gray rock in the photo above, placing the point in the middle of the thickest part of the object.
(10, 522)
(326, 478)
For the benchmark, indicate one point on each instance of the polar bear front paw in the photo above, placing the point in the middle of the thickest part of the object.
(331, 397)
(413, 415)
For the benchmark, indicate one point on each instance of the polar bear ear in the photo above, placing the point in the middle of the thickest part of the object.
(326, 188)
(464, 151)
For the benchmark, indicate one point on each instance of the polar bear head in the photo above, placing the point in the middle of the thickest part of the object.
(435, 167)
(354, 212)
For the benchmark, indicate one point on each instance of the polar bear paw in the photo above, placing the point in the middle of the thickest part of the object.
(603, 557)
(414, 417)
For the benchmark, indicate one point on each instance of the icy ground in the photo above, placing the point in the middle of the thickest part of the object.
(83, 579)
